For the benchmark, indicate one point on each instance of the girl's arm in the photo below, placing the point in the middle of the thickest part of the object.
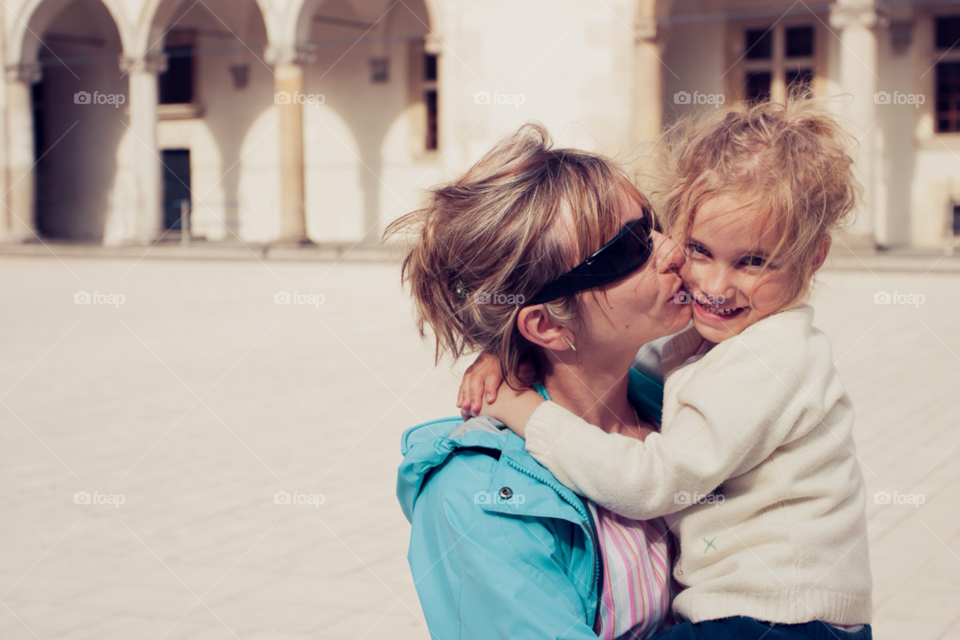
(730, 418)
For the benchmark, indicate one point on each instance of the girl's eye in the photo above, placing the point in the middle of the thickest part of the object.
(753, 261)
(698, 249)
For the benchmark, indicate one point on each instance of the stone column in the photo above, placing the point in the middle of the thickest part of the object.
(20, 200)
(143, 89)
(648, 80)
(288, 86)
(854, 21)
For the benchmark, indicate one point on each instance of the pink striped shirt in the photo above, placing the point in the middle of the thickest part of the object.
(636, 575)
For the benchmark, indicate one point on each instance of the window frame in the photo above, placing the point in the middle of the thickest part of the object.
(778, 64)
(417, 89)
(940, 56)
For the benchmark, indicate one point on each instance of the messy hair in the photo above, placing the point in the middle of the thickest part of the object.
(520, 217)
(789, 161)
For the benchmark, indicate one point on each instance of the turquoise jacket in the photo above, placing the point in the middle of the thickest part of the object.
(498, 547)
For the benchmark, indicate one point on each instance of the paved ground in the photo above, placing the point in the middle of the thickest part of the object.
(197, 399)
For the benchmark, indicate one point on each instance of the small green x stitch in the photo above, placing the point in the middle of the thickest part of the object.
(709, 544)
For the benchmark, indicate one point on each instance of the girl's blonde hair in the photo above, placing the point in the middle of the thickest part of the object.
(520, 217)
(789, 161)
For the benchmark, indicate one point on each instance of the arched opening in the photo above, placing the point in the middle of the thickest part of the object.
(79, 115)
(376, 128)
(215, 86)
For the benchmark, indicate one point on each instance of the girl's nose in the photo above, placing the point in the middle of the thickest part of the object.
(668, 254)
(718, 283)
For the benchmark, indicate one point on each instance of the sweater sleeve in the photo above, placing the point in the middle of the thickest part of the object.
(733, 412)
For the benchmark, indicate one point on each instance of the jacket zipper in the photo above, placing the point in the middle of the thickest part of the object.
(585, 514)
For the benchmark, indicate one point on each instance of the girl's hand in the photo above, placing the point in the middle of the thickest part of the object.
(481, 376)
(513, 408)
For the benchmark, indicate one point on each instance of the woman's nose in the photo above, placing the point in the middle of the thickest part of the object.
(669, 256)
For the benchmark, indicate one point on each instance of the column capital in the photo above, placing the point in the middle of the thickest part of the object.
(863, 14)
(432, 44)
(289, 54)
(25, 72)
(646, 29)
(151, 63)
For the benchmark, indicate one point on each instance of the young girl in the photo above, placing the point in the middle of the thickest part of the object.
(754, 466)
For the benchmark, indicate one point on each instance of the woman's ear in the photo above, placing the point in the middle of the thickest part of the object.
(822, 251)
(537, 327)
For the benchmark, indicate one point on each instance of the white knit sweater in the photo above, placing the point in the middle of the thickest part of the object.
(765, 415)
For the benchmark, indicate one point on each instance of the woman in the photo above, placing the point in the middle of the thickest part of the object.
(534, 253)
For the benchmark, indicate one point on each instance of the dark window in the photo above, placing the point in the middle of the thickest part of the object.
(799, 42)
(759, 44)
(429, 67)
(176, 83)
(948, 32)
(948, 97)
(757, 87)
(431, 99)
(176, 186)
(956, 220)
(379, 70)
(800, 83)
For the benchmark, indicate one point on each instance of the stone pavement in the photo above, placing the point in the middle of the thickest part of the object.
(197, 400)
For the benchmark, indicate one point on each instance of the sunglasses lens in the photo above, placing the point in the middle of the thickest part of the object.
(621, 256)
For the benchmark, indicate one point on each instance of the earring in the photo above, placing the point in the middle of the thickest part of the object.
(569, 343)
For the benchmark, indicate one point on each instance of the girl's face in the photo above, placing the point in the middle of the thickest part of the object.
(726, 251)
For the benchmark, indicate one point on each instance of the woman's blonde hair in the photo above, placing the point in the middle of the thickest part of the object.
(789, 161)
(524, 214)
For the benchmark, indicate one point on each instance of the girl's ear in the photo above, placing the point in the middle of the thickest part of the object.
(821, 256)
(537, 327)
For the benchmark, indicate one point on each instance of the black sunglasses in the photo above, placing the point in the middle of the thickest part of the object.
(627, 252)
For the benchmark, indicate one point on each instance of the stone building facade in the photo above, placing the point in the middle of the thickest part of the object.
(284, 120)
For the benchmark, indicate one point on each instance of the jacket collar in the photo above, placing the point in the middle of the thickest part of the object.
(519, 485)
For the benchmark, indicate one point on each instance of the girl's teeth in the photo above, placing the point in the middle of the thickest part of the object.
(723, 312)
